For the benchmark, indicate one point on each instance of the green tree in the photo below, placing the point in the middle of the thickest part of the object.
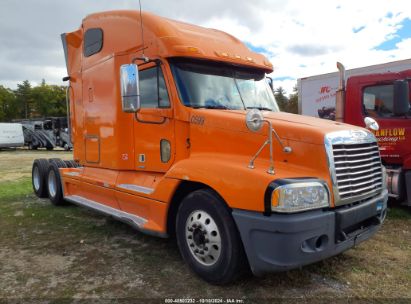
(49, 100)
(8, 106)
(281, 98)
(58, 102)
(292, 106)
(32, 102)
(24, 99)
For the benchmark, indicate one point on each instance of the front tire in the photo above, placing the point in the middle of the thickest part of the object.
(208, 238)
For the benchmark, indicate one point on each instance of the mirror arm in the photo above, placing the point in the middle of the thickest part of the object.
(251, 163)
(255, 117)
(286, 149)
(270, 138)
(269, 141)
(144, 59)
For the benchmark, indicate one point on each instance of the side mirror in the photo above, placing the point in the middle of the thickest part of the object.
(130, 93)
(371, 124)
(254, 120)
(401, 104)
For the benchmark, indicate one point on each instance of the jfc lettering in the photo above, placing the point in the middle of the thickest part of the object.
(325, 89)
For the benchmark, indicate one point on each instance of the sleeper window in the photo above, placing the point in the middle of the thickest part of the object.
(93, 41)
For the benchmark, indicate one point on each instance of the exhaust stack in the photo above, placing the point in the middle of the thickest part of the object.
(340, 94)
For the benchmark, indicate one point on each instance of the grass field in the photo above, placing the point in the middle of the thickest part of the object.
(68, 252)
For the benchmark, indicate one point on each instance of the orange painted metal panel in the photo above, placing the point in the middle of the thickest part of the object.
(216, 152)
(154, 212)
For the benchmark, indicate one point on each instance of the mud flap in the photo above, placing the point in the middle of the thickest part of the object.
(407, 201)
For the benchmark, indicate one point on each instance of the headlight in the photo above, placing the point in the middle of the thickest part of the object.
(299, 196)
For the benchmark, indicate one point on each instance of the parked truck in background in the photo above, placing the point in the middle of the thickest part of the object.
(11, 135)
(49, 133)
(379, 91)
(176, 132)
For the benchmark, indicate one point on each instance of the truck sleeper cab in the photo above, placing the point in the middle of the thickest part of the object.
(179, 134)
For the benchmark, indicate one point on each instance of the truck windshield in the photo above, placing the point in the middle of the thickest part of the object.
(205, 84)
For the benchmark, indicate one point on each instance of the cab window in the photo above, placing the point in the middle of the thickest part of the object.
(378, 100)
(153, 90)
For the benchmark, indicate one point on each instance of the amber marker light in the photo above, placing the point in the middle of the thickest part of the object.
(187, 49)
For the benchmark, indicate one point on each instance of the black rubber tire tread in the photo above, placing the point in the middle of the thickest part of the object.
(58, 199)
(42, 165)
(71, 164)
(60, 163)
(232, 262)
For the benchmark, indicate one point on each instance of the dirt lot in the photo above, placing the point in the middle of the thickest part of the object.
(53, 254)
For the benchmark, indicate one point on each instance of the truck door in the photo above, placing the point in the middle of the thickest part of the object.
(153, 124)
(394, 132)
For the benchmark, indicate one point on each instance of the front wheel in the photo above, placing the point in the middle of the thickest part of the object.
(208, 238)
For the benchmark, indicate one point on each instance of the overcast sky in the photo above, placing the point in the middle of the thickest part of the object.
(301, 38)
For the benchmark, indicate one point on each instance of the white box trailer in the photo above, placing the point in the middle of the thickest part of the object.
(11, 135)
(316, 94)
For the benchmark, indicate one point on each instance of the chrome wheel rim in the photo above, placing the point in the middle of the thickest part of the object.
(36, 178)
(203, 237)
(52, 184)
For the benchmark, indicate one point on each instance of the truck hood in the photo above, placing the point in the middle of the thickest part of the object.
(288, 126)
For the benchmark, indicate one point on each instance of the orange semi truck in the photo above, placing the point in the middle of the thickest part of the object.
(177, 133)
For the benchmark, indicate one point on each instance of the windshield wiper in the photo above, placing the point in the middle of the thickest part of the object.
(259, 108)
(219, 107)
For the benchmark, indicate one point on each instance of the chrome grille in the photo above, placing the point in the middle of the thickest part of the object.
(358, 170)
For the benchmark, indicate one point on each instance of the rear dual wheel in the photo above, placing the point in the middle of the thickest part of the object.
(54, 184)
(38, 177)
(46, 179)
